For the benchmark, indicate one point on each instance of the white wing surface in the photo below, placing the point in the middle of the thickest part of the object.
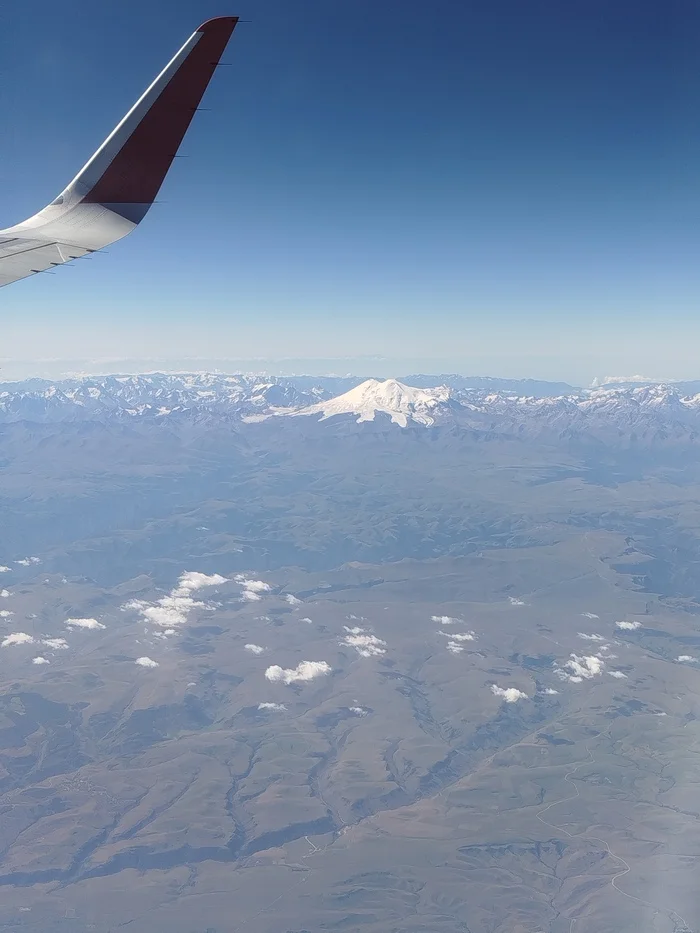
(112, 193)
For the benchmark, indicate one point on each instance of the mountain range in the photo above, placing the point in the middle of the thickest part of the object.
(628, 414)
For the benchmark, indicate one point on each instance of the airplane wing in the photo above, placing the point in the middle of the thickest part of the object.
(113, 191)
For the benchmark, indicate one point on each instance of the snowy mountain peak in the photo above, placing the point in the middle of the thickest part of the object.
(401, 402)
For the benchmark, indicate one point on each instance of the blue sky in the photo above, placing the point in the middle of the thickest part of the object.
(510, 188)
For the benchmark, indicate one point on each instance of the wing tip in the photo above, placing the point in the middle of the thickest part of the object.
(218, 23)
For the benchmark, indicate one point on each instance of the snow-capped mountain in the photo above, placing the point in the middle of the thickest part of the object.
(612, 415)
(401, 402)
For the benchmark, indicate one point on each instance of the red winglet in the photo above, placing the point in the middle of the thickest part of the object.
(137, 171)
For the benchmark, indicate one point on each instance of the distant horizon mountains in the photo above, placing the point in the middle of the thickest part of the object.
(629, 414)
(526, 386)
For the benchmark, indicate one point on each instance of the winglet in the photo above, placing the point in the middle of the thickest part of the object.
(126, 172)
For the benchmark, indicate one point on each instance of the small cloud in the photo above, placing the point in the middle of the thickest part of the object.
(355, 630)
(579, 668)
(4, 594)
(254, 649)
(4, 569)
(306, 619)
(6, 613)
(92, 624)
(454, 648)
(686, 659)
(16, 638)
(550, 692)
(39, 660)
(459, 636)
(292, 600)
(28, 561)
(590, 637)
(305, 670)
(628, 626)
(618, 674)
(252, 588)
(367, 646)
(446, 620)
(515, 602)
(192, 580)
(174, 609)
(146, 662)
(359, 710)
(589, 615)
(251, 596)
(58, 644)
(509, 694)
(278, 707)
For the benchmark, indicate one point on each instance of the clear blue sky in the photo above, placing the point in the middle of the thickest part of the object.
(512, 187)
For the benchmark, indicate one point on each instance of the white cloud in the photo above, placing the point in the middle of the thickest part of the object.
(16, 638)
(146, 662)
(579, 668)
(459, 636)
(6, 613)
(454, 648)
(28, 561)
(192, 580)
(4, 594)
(254, 649)
(509, 694)
(174, 609)
(292, 600)
(39, 660)
(258, 585)
(628, 626)
(355, 630)
(251, 596)
(686, 658)
(515, 602)
(85, 623)
(171, 611)
(4, 569)
(367, 646)
(274, 706)
(446, 620)
(58, 644)
(618, 674)
(252, 588)
(589, 615)
(359, 710)
(306, 619)
(551, 692)
(167, 612)
(590, 637)
(305, 670)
